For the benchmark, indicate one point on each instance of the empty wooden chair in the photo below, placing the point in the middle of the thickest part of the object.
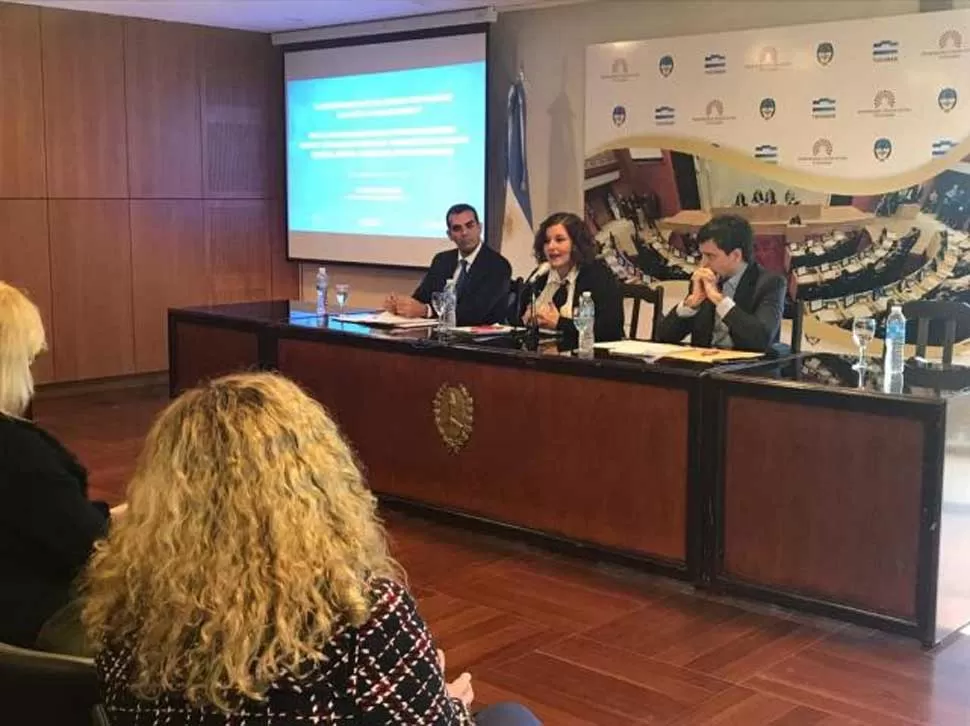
(640, 294)
(938, 323)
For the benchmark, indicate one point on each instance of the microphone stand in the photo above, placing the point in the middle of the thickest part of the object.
(532, 337)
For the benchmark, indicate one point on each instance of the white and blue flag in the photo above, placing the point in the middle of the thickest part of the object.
(517, 234)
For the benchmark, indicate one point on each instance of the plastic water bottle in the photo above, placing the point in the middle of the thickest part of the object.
(322, 283)
(448, 314)
(585, 321)
(895, 342)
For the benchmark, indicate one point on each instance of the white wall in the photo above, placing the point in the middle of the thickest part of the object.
(550, 46)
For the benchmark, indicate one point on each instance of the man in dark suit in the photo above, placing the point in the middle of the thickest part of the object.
(481, 276)
(733, 301)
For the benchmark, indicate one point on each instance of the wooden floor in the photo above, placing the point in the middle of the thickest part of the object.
(587, 644)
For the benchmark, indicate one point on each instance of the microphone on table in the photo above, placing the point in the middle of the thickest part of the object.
(539, 271)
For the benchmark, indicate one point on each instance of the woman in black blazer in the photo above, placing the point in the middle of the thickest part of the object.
(48, 526)
(564, 242)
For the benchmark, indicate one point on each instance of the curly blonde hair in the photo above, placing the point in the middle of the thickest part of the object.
(21, 340)
(250, 535)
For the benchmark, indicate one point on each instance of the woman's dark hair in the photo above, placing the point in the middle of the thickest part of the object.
(584, 246)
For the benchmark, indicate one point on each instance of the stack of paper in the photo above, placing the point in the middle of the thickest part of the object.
(639, 348)
(652, 351)
(484, 329)
(385, 319)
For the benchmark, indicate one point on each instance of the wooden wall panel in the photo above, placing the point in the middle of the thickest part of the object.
(22, 172)
(91, 274)
(99, 108)
(168, 270)
(25, 263)
(84, 105)
(285, 275)
(163, 109)
(786, 511)
(238, 256)
(239, 115)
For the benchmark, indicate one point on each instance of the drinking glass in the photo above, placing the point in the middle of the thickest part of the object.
(438, 304)
(343, 294)
(863, 331)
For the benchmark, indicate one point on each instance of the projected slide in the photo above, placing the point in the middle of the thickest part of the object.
(385, 153)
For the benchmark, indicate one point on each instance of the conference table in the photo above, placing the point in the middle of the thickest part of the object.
(767, 478)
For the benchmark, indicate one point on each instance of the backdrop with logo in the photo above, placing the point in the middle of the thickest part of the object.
(842, 142)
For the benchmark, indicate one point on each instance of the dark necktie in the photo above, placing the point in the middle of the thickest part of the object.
(559, 298)
(462, 277)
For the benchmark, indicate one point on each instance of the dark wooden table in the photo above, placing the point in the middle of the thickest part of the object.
(780, 481)
(835, 497)
(590, 452)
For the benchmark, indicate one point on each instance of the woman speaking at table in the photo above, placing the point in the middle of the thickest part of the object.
(563, 242)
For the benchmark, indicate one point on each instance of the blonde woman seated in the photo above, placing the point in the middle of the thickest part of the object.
(250, 581)
(47, 525)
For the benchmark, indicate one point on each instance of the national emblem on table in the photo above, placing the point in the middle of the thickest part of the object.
(454, 415)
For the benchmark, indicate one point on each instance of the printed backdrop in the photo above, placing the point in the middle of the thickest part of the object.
(845, 145)
(853, 107)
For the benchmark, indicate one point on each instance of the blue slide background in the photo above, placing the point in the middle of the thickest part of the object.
(317, 188)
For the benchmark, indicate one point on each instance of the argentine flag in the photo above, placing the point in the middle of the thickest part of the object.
(517, 234)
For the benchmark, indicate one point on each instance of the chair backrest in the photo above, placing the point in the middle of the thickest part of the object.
(797, 321)
(46, 688)
(930, 315)
(640, 294)
(513, 301)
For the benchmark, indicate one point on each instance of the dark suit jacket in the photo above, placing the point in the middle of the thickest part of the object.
(485, 296)
(754, 322)
(47, 527)
(596, 279)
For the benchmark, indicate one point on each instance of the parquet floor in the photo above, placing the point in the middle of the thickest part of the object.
(587, 644)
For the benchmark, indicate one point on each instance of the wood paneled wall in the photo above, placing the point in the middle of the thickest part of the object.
(140, 168)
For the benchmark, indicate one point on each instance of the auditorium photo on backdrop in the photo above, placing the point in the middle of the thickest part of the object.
(845, 145)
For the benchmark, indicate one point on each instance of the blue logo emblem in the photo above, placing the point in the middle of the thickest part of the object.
(882, 149)
(715, 63)
(885, 51)
(766, 153)
(947, 99)
(824, 53)
(823, 108)
(941, 147)
(767, 108)
(664, 116)
(619, 115)
(666, 65)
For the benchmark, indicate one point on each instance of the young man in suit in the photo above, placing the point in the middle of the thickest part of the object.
(733, 301)
(482, 276)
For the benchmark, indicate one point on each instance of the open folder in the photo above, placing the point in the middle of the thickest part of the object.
(653, 351)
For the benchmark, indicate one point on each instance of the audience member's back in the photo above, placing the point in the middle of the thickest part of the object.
(47, 525)
(251, 581)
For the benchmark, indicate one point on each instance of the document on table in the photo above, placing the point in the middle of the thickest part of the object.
(385, 319)
(484, 329)
(653, 351)
(712, 355)
(639, 348)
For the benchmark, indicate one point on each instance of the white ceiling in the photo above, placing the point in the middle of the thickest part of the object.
(277, 15)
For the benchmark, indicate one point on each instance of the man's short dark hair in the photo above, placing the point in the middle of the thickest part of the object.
(459, 209)
(729, 232)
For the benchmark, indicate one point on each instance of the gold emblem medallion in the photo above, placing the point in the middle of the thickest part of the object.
(454, 415)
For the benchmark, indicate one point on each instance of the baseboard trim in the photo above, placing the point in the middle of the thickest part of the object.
(48, 391)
